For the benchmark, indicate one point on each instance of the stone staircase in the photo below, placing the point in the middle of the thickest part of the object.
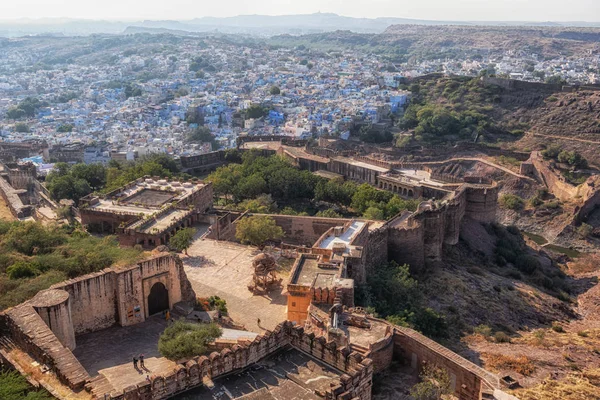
(98, 387)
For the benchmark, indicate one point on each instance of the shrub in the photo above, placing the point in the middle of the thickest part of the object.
(483, 330)
(535, 201)
(521, 364)
(527, 264)
(501, 337)
(186, 339)
(557, 328)
(583, 334)
(551, 152)
(435, 384)
(13, 386)
(475, 271)
(511, 201)
(584, 230)
(514, 274)
(21, 269)
(217, 303)
(540, 336)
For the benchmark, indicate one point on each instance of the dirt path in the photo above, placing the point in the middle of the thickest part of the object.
(481, 160)
(564, 138)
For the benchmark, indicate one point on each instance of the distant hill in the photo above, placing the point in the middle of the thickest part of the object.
(262, 25)
(403, 41)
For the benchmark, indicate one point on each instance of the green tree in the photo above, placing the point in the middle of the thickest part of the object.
(257, 229)
(367, 196)
(183, 239)
(262, 204)
(68, 187)
(186, 339)
(275, 91)
(64, 128)
(132, 90)
(255, 111)
(555, 80)
(435, 383)
(511, 201)
(203, 135)
(374, 213)
(32, 238)
(13, 386)
(93, 174)
(21, 127)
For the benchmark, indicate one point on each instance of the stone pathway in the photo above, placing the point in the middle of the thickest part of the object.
(117, 345)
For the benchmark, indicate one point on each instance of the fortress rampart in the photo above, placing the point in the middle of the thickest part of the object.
(356, 371)
(46, 326)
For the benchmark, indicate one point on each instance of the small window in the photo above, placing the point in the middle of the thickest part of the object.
(293, 304)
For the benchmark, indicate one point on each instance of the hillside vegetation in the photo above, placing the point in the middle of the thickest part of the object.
(33, 257)
(401, 43)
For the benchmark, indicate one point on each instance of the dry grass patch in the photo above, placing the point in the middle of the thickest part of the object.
(588, 339)
(576, 386)
(520, 364)
(586, 264)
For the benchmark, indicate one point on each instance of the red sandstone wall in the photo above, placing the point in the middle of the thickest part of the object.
(482, 203)
(467, 378)
(406, 247)
(29, 332)
(92, 299)
(355, 383)
(305, 230)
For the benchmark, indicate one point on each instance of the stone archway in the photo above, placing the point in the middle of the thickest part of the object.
(158, 299)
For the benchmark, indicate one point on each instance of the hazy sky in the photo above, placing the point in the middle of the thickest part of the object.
(530, 10)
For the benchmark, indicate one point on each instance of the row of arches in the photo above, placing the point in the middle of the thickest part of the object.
(402, 191)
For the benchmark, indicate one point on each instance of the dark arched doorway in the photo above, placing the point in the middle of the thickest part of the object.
(158, 299)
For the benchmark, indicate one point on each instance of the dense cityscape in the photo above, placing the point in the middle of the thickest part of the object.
(309, 206)
(135, 103)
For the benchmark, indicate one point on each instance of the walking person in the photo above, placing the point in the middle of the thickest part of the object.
(135, 361)
(142, 361)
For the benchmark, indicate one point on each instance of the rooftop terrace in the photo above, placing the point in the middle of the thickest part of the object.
(145, 196)
(307, 271)
(415, 176)
(345, 238)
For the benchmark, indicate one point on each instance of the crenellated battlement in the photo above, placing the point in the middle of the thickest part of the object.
(356, 371)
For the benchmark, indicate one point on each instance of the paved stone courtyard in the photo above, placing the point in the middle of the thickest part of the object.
(225, 269)
(117, 345)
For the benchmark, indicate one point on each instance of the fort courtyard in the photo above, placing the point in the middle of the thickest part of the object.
(225, 269)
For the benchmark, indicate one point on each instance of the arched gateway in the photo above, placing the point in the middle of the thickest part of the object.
(158, 299)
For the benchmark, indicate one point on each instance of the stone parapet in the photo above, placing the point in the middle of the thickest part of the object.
(354, 383)
(29, 331)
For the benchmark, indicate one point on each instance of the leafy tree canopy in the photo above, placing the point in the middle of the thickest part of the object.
(182, 240)
(13, 386)
(202, 135)
(257, 229)
(187, 339)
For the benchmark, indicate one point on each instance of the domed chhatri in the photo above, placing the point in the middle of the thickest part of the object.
(265, 267)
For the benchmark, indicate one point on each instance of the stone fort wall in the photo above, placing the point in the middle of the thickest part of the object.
(355, 381)
(46, 325)
(467, 379)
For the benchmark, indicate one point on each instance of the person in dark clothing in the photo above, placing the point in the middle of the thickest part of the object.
(142, 360)
(135, 360)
